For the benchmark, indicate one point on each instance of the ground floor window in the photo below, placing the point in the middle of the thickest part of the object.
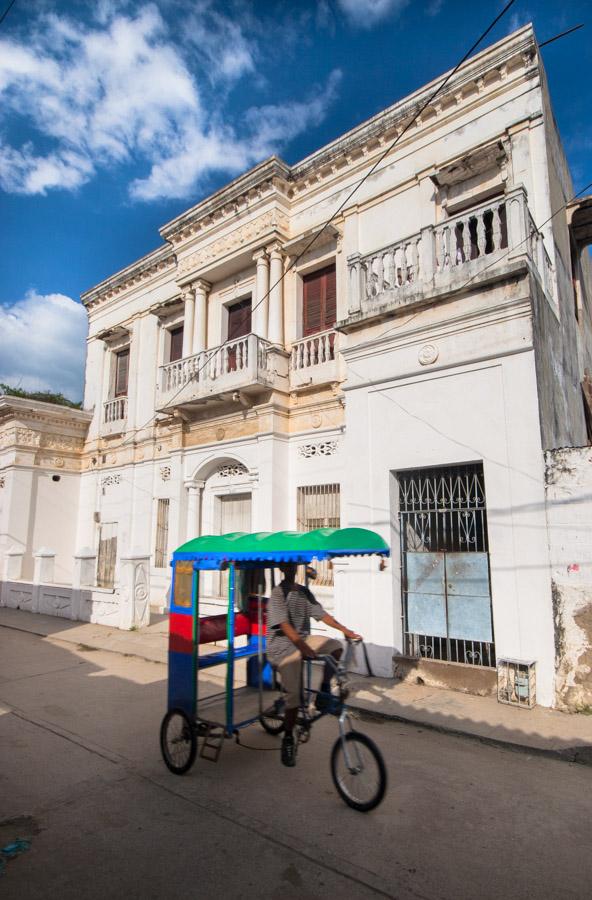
(318, 506)
(445, 564)
(162, 534)
(232, 512)
(107, 555)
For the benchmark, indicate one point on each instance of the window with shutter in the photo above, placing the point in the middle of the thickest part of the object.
(121, 372)
(176, 347)
(239, 319)
(319, 307)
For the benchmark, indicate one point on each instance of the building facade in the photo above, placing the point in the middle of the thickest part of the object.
(404, 371)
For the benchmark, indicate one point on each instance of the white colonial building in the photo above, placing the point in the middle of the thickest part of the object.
(405, 372)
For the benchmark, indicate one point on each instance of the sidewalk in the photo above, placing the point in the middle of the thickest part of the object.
(540, 730)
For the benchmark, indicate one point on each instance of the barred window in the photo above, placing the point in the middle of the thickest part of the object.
(162, 534)
(318, 507)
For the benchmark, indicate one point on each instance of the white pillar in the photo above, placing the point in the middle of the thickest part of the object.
(259, 318)
(194, 489)
(201, 315)
(189, 301)
(134, 591)
(85, 564)
(13, 564)
(276, 295)
(43, 571)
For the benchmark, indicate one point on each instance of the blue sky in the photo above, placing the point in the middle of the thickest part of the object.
(117, 116)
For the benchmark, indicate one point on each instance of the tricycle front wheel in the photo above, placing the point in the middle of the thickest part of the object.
(178, 741)
(358, 771)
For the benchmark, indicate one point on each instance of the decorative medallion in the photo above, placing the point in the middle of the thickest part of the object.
(220, 433)
(316, 420)
(59, 462)
(428, 355)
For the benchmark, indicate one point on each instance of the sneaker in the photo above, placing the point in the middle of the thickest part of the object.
(289, 750)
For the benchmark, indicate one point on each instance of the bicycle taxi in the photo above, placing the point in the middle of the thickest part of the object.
(357, 767)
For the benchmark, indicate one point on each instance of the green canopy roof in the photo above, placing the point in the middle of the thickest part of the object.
(284, 546)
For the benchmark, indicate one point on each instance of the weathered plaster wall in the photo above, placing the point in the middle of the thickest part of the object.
(563, 345)
(569, 513)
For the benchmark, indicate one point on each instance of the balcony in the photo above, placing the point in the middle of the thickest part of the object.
(114, 416)
(315, 360)
(446, 257)
(248, 366)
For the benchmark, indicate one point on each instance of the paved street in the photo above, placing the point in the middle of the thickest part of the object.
(80, 771)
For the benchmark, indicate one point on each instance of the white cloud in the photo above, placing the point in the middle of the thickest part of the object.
(267, 128)
(42, 344)
(367, 13)
(127, 89)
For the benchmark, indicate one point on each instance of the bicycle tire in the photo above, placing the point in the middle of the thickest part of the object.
(272, 719)
(178, 764)
(341, 783)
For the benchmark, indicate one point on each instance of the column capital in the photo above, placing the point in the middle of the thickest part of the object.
(275, 250)
(260, 256)
(200, 284)
(186, 291)
(194, 485)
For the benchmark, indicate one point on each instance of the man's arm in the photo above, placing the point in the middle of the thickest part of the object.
(347, 632)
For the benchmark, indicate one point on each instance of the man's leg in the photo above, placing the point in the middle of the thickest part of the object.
(290, 669)
(326, 647)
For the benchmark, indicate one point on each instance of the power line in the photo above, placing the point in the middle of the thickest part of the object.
(340, 207)
(7, 10)
(563, 34)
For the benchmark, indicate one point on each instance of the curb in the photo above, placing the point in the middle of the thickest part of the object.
(582, 755)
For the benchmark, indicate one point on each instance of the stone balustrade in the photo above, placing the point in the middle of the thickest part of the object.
(314, 360)
(114, 415)
(463, 245)
(242, 364)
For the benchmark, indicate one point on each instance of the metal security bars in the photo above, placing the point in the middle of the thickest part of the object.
(162, 534)
(445, 565)
(318, 506)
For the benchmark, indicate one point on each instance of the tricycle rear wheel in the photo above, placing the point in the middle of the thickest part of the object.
(272, 718)
(178, 741)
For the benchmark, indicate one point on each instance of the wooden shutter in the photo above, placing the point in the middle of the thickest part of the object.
(239, 319)
(121, 372)
(176, 344)
(319, 301)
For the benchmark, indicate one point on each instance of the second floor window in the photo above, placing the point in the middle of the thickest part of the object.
(319, 301)
(176, 345)
(121, 372)
(239, 319)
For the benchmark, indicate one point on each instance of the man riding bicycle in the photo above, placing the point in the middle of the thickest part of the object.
(289, 641)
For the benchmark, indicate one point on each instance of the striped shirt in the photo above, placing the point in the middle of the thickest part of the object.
(294, 604)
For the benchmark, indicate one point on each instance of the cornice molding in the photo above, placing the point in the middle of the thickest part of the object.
(13, 408)
(160, 260)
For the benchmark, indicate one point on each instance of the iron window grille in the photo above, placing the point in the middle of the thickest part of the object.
(446, 592)
(162, 534)
(318, 506)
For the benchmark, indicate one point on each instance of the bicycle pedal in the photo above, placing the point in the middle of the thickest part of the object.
(212, 743)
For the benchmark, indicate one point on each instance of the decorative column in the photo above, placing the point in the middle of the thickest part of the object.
(355, 283)
(189, 301)
(276, 295)
(194, 489)
(201, 289)
(260, 306)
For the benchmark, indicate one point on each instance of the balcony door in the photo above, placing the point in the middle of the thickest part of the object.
(239, 325)
(319, 301)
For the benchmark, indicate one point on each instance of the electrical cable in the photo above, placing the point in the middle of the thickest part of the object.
(6, 11)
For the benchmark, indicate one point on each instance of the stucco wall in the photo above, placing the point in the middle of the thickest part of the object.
(569, 513)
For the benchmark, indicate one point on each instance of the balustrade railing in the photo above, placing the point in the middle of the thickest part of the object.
(313, 350)
(492, 231)
(470, 235)
(115, 410)
(225, 362)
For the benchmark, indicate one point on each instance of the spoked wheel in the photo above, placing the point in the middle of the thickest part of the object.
(178, 741)
(272, 718)
(358, 771)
